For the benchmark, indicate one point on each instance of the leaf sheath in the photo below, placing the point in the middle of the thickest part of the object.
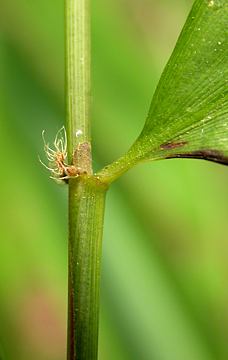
(86, 213)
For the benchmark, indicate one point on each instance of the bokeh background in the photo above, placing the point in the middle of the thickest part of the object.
(164, 277)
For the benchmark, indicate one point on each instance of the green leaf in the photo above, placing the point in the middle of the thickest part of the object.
(188, 116)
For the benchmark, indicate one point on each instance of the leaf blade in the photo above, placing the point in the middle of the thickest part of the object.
(188, 116)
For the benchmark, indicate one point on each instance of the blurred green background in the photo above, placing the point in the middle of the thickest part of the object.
(164, 276)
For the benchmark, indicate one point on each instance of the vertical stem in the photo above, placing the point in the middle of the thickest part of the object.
(77, 73)
(86, 193)
(86, 208)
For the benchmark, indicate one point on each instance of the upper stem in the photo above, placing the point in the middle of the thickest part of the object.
(77, 73)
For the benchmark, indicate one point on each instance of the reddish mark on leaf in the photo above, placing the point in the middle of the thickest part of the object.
(173, 145)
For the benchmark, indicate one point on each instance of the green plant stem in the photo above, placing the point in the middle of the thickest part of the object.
(86, 192)
(77, 73)
(86, 209)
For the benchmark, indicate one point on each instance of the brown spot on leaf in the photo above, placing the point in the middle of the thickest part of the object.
(173, 145)
(211, 155)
